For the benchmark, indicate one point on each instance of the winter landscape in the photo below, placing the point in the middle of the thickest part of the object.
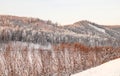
(34, 47)
(59, 37)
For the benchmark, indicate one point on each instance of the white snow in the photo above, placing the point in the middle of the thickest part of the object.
(111, 68)
(35, 46)
(30, 57)
(97, 28)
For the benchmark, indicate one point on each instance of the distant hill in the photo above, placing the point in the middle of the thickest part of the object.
(44, 32)
(114, 27)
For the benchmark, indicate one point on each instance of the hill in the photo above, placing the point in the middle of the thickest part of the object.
(44, 32)
(35, 47)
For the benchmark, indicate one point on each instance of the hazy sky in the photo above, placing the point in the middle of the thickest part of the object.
(65, 11)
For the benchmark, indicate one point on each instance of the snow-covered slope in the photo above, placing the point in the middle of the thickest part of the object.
(13, 28)
(111, 68)
(99, 29)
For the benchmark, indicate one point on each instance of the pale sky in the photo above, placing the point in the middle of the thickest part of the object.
(65, 11)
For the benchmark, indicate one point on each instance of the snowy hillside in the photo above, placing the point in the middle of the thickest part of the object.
(111, 68)
(13, 28)
(34, 47)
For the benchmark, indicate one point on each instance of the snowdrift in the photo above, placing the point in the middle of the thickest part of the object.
(111, 68)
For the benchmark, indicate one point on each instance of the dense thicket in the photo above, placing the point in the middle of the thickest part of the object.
(59, 60)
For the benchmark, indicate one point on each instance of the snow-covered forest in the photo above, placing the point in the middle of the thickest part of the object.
(28, 59)
(34, 47)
